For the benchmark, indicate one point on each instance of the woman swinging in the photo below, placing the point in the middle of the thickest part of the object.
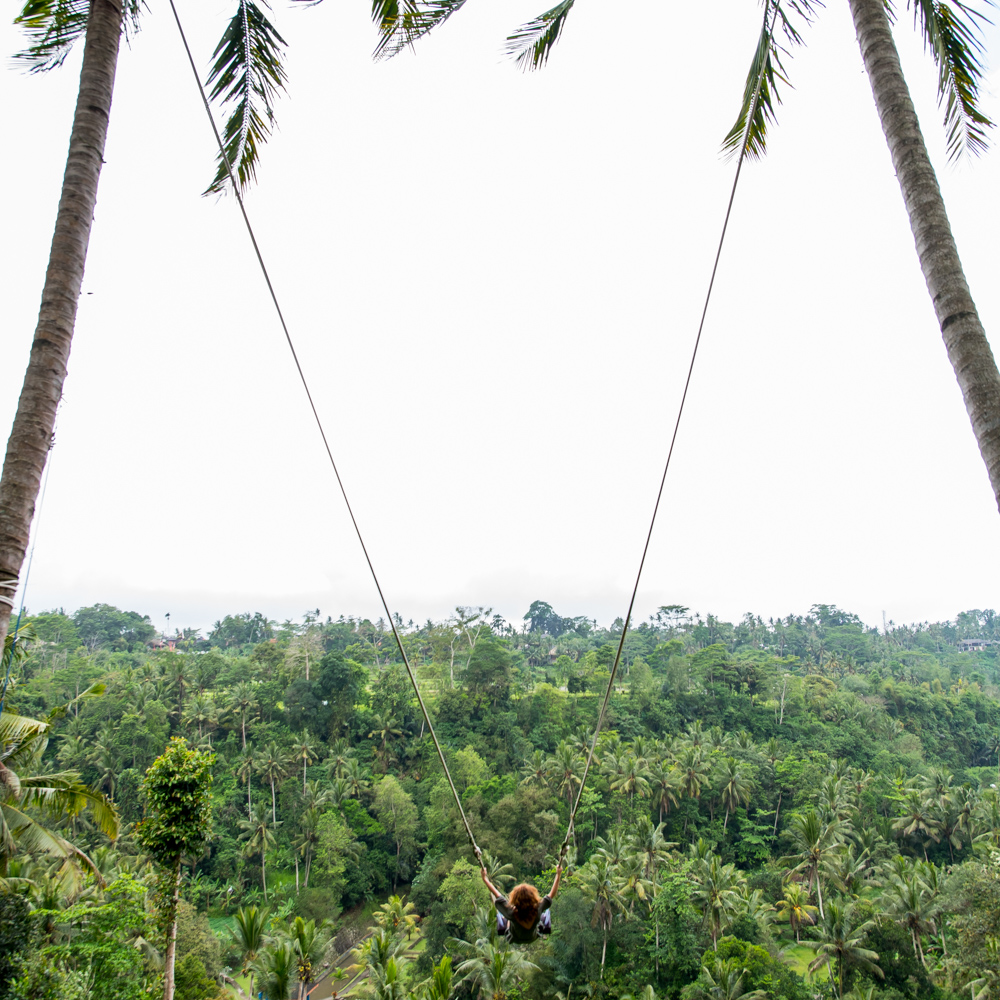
(523, 916)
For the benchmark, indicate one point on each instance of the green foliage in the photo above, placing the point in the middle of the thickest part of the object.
(193, 983)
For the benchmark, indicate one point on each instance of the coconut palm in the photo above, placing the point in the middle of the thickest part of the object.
(917, 820)
(649, 843)
(838, 938)
(241, 701)
(275, 968)
(796, 908)
(910, 900)
(259, 837)
(565, 771)
(601, 884)
(438, 986)
(396, 916)
(717, 893)
(246, 768)
(272, 764)
(664, 783)
(494, 968)
(249, 936)
(305, 841)
(29, 800)
(535, 770)
(724, 981)
(305, 751)
(694, 771)
(951, 34)
(385, 729)
(308, 942)
(247, 75)
(357, 777)
(737, 785)
(815, 842)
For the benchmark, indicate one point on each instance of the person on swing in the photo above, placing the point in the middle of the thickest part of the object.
(523, 916)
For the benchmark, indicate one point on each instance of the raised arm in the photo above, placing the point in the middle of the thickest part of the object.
(494, 891)
(555, 885)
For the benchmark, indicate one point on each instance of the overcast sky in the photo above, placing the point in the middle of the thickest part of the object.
(494, 281)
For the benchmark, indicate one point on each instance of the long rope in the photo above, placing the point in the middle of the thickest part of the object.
(15, 635)
(670, 452)
(322, 432)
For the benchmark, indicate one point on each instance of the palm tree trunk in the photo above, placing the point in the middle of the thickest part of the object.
(31, 433)
(604, 950)
(962, 330)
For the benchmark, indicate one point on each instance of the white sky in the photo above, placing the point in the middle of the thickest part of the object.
(494, 281)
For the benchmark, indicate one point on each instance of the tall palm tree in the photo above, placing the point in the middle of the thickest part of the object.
(357, 777)
(246, 768)
(838, 938)
(305, 751)
(910, 900)
(736, 786)
(717, 894)
(241, 701)
(951, 34)
(796, 908)
(272, 765)
(275, 968)
(664, 781)
(535, 770)
(815, 842)
(308, 943)
(28, 799)
(249, 935)
(396, 916)
(694, 771)
(247, 75)
(565, 770)
(385, 728)
(306, 840)
(259, 837)
(602, 885)
(724, 981)
(494, 968)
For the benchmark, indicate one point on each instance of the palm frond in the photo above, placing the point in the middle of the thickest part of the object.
(952, 32)
(52, 26)
(531, 44)
(63, 792)
(766, 72)
(249, 73)
(402, 22)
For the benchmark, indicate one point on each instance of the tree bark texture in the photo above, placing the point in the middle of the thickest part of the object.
(31, 433)
(961, 328)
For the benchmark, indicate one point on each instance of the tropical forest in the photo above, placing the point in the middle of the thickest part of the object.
(798, 807)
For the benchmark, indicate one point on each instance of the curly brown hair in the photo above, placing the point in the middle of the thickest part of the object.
(524, 901)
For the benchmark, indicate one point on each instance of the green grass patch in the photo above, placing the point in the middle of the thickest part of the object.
(799, 958)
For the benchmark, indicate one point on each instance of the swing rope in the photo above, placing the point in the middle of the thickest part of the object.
(357, 530)
(322, 432)
(670, 453)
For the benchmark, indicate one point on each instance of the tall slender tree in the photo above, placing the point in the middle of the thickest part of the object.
(951, 34)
